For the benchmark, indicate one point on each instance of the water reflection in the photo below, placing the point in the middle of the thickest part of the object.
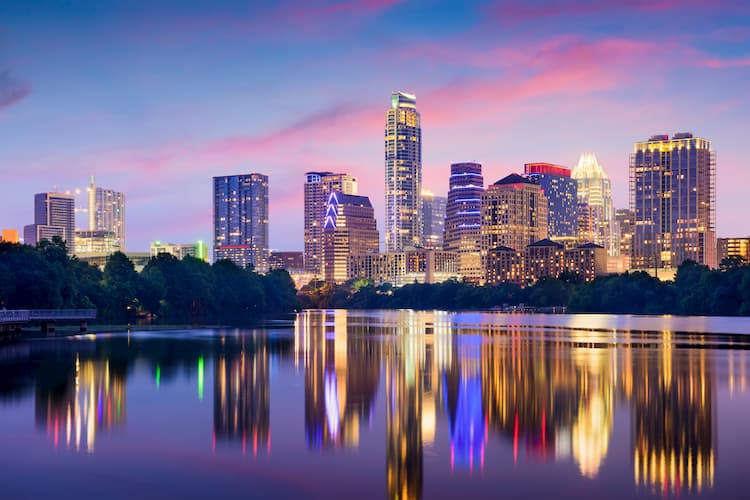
(491, 399)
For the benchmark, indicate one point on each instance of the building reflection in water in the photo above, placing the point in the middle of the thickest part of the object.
(550, 394)
(341, 378)
(91, 399)
(242, 399)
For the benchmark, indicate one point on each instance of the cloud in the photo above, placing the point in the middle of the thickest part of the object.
(12, 90)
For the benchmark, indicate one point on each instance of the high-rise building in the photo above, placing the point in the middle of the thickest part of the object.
(349, 229)
(562, 198)
(433, 219)
(595, 204)
(624, 221)
(673, 198)
(241, 219)
(54, 215)
(403, 174)
(514, 214)
(733, 247)
(95, 244)
(10, 236)
(318, 187)
(463, 218)
(107, 213)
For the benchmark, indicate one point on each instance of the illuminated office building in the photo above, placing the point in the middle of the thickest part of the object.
(624, 223)
(54, 215)
(197, 250)
(595, 204)
(463, 218)
(291, 261)
(349, 229)
(673, 198)
(107, 213)
(403, 174)
(241, 220)
(513, 214)
(505, 265)
(433, 218)
(422, 265)
(318, 187)
(733, 247)
(562, 198)
(95, 243)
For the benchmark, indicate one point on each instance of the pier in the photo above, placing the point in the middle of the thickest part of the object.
(13, 320)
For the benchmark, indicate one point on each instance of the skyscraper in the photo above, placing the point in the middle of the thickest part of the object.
(241, 219)
(318, 187)
(349, 229)
(107, 213)
(624, 220)
(673, 198)
(433, 219)
(403, 174)
(562, 196)
(54, 215)
(514, 214)
(463, 217)
(595, 204)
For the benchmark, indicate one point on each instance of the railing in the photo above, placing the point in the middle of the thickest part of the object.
(26, 315)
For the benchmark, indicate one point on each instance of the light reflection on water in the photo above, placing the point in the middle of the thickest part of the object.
(396, 404)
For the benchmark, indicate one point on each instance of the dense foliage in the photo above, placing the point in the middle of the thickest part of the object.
(187, 291)
(696, 290)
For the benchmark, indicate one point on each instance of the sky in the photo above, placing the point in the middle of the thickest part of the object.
(155, 98)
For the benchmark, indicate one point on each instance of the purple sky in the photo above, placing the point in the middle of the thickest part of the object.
(154, 101)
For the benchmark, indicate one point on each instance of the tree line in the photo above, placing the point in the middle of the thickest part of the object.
(696, 290)
(187, 291)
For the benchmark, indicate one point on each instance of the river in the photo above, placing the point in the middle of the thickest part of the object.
(383, 404)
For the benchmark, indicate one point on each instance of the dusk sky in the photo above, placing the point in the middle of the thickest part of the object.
(154, 101)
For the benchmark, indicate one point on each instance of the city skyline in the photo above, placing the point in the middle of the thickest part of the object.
(161, 109)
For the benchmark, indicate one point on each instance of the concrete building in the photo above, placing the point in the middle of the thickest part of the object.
(514, 214)
(505, 265)
(673, 199)
(403, 174)
(733, 247)
(54, 215)
(403, 268)
(197, 250)
(349, 229)
(318, 187)
(241, 220)
(291, 261)
(544, 259)
(94, 243)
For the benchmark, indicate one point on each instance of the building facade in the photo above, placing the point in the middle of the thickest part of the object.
(505, 265)
(403, 268)
(95, 243)
(291, 261)
(403, 174)
(673, 199)
(107, 213)
(318, 187)
(433, 219)
(54, 215)
(349, 229)
(514, 214)
(10, 236)
(463, 218)
(562, 198)
(544, 259)
(241, 219)
(733, 247)
(197, 250)
(624, 224)
(595, 207)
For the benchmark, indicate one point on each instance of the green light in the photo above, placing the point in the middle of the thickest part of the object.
(158, 375)
(200, 378)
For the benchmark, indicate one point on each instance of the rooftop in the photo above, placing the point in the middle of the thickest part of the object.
(513, 179)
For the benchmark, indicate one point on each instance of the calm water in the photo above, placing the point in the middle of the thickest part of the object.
(383, 404)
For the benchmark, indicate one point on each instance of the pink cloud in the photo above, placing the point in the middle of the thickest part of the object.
(525, 11)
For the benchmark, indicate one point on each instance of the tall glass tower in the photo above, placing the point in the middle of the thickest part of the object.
(403, 174)
(107, 213)
(241, 220)
(562, 195)
(595, 209)
(463, 217)
(673, 199)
